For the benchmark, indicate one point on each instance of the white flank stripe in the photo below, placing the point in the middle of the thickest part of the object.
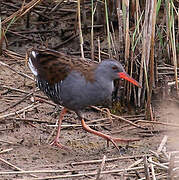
(56, 88)
(33, 54)
(32, 68)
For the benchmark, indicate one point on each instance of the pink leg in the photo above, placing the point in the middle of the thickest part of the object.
(107, 137)
(55, 141)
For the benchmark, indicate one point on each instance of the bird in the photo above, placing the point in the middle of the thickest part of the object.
(76, 83)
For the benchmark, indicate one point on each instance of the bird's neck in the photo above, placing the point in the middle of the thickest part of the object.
(105, 82)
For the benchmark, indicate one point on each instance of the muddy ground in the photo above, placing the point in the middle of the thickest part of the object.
(26, 136)
(30, 148)
(28, 140)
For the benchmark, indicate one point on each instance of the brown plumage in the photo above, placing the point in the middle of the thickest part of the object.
(55, 66)
(76, 83)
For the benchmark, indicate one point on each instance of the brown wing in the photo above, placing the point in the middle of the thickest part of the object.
(55, 66)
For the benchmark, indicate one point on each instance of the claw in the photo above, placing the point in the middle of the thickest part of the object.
(107, 137)
(114, 140)
(59, 145)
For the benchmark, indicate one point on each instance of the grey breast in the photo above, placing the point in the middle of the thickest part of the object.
(77, 92)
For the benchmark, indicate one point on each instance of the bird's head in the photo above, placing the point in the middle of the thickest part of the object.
(114, 70)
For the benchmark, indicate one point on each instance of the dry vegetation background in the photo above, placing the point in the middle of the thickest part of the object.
(143, 35)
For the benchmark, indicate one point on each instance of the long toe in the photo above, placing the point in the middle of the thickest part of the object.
(59, 145)
(115, 140)
(112, 140)
(125, 140)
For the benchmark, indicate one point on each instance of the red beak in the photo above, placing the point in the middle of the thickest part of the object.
(124, 75)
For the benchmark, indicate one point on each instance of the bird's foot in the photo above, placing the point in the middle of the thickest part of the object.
(115, 140)
(112, 140)
(105, 136)
(59, 145)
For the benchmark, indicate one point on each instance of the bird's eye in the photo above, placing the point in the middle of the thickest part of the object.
(114, 67)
